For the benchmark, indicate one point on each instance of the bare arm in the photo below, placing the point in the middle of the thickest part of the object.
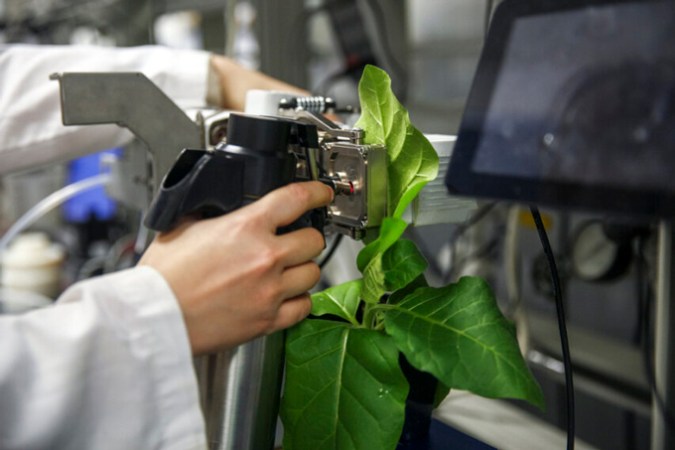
(235, 80)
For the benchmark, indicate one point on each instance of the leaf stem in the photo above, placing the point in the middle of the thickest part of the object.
(368, 315)
(382, 307)
(371, 319)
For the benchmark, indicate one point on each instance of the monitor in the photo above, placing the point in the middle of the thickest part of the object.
(573, 106)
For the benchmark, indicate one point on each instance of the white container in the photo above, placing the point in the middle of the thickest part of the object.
(265, 103)
(33, 263)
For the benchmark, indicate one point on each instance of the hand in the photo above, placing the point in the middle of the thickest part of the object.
(234, 277)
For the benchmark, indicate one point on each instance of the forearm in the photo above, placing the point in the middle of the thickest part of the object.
(235, 81)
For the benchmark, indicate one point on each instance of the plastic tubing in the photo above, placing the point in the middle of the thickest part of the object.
(50, 202)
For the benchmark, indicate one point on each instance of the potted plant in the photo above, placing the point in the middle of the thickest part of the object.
(344, 387)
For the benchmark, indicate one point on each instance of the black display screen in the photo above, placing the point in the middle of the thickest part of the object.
(573, 105)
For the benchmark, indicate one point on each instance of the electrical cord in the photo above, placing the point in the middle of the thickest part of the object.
(567, 360)
(331, 250)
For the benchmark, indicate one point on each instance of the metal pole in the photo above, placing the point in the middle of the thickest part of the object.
(663, 437)
(240, 394)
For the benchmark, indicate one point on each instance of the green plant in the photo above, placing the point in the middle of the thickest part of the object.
(344, 388)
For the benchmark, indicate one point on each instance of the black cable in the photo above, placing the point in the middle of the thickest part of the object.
(647, 342)
(331, 250)
(567, 360)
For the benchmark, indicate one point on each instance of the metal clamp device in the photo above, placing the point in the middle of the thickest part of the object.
(261, 153)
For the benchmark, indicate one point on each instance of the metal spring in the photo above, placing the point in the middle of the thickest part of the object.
(316, 104)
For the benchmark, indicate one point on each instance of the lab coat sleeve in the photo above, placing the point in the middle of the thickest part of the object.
(109, 366)
(31, 130)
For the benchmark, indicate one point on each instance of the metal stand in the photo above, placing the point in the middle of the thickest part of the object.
(132, 101)
(240, 393)
(663, 437)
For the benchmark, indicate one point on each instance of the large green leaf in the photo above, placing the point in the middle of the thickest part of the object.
(392, 270)
(344, 388)
(458, 334)
(342, 301)
(412, 160)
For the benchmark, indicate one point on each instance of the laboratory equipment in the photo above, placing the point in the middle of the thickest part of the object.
(572, 106)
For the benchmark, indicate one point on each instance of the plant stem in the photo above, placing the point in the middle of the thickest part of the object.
(371, 319)
(368, 315)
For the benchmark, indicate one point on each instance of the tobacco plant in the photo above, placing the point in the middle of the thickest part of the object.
(344, 387)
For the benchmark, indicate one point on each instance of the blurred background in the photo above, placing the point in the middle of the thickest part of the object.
(431, 49)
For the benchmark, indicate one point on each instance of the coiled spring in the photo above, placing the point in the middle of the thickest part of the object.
(316, 104)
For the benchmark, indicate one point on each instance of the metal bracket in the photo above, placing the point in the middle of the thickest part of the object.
(132, 101)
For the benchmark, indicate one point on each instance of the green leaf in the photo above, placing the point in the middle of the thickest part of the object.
(412, 170)
(412, 160)
(390, 231)
(402, 263)
(458, 334)
(342, 301)
(373, 281)
(394, 269)
(400, 294)
(344, 388)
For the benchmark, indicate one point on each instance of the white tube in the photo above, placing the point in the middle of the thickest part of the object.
(50, 202)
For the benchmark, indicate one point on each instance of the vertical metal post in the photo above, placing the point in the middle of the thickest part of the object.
(663, 437)
(240, 393)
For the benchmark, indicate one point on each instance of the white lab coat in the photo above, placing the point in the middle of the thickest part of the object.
(109, 365)
(31, 131)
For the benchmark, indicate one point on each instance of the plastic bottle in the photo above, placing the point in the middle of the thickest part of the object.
(33, 263)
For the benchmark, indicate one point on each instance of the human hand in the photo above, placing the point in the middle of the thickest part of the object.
(234, 277)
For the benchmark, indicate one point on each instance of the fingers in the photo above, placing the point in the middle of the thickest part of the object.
(300, 246)
(285, 205)
(292, 311)
(299, 279)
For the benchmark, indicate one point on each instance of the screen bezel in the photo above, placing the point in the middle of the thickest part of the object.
(461, 179)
